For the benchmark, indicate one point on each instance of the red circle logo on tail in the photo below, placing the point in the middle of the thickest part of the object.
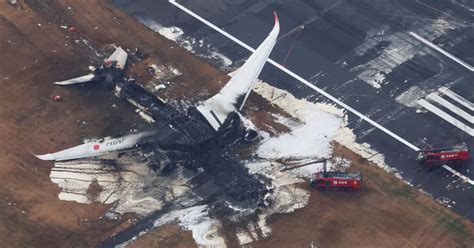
(96, 147)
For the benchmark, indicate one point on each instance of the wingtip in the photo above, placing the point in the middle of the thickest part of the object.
(62, 83)
(41, 157)
(276, 27)
(28, 149)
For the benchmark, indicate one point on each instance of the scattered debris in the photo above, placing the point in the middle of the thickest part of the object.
(140, 54)
(159, 87)
(57, 98)
(112, 215)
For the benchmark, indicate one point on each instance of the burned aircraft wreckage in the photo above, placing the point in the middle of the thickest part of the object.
(201, 138)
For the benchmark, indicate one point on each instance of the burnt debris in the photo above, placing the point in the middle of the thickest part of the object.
(187, 139)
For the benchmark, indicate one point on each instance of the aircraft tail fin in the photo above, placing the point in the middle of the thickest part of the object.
(119, 55)
(235, 93)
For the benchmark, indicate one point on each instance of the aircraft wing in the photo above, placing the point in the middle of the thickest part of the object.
(98, 148)
(83, 79)
(234, 94)
(118, 55)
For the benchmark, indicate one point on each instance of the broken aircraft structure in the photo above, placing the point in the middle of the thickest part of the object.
(171, 128)
(201, 141)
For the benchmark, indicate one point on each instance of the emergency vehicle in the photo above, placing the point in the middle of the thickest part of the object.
(334, 180)
(440, 156)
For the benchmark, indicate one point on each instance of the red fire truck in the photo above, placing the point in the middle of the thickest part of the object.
(333, 180)
(336, 180)
(329, 180)
(440, 156)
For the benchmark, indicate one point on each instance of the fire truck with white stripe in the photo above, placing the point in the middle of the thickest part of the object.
(331, 180)
(453, 155)
(335, 180)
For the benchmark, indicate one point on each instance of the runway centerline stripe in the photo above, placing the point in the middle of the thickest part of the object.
(435, 110)
(453, 95)
(441, 50)
(297, 77)
(455, 109)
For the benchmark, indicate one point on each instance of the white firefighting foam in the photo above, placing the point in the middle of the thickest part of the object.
(196, 219)
(89, 181)
(311, 138)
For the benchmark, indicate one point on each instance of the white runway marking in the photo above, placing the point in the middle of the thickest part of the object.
(461, 100)
(297, 77)
(435, 110)
(441, 50)
(455, 109)
(466, 179)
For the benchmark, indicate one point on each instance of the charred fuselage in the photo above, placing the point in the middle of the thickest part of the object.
(177, 130)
